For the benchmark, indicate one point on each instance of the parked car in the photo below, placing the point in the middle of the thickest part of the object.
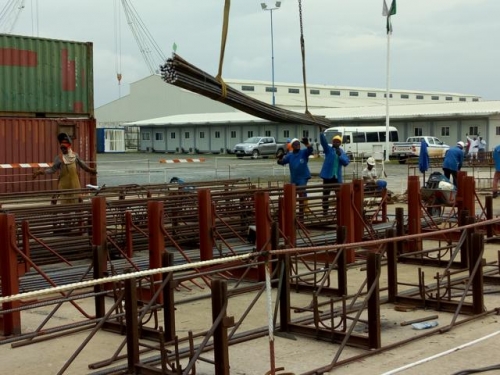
(411, 148)
(259, 146)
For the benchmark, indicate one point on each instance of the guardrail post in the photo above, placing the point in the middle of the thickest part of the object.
(290, 214)
(392, 266)
(477, 281)
(414, 213)
(221, 347)
(345, 217)
(460, 190)
(400, 228)
(132, 323)
(489, 215)
(205, 224)
(469, 190)
(359, 197)
(168, 298)
(129, 228)
(99, 251)
(10, 323)
(156, 242)
(372, 270)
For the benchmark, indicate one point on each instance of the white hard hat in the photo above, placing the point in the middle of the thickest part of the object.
(461, 144)
(294, 140)
(370, 161)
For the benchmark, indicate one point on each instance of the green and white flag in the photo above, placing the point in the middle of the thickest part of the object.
(388, 12)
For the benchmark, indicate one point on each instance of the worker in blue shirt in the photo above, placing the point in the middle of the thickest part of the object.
(453, 161)
(297, 161)
(496, 176)
(331, 171)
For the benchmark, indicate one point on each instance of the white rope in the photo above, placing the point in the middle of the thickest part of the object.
(428, 359)
(126, 276)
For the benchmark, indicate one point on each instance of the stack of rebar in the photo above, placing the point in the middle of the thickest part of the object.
(181, 73)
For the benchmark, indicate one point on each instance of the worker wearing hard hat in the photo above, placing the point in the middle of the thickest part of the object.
(297, 161)
(331, 171)
(370, 175)
(453, 161)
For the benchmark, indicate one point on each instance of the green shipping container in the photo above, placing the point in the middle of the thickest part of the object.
(45, 77)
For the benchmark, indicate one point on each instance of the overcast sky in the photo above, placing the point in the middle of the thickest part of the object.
(437, 45)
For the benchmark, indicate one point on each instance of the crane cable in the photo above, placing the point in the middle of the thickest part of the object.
(225, 27)
(303, 53)
(118, 42)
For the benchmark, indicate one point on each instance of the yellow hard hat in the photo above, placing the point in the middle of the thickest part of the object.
(337, 138)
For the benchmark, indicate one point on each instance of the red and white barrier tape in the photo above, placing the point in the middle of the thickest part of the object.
(188, 160)
(25, 165)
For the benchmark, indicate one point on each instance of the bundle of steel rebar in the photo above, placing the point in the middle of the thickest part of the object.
(181, 73)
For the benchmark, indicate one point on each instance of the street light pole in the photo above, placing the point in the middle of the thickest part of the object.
(270, 9)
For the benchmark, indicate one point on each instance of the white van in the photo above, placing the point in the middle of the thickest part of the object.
(362, 140)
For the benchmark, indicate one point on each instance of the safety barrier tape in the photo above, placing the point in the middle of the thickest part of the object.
(25, 165)
(188, 160)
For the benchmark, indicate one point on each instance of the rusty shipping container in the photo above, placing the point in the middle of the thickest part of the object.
(27, 141)
(45, 77)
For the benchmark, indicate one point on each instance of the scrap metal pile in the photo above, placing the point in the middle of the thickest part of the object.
(181, 73)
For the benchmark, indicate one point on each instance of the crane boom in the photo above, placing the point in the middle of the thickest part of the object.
(150, 51)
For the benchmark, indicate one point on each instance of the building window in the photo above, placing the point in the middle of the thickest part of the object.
(497, 130)
(417, 132)
(271, 89)
(305, 133)
(335, 92)
(475, 99)
(233, 133)
(146, 136)
(449, 98)
(159, 136)
(314, 92)
(250, 133)
(172, 135)
(435, 97)
(353, 93)
(445, 131)
(405, 96)
(247, 88)
(385, 95)
(217, 134)
(473, 130)
(267, 133)
(372, 94)
(186, 135)
(286, 133)
(419, 97)
(462, 99)
(202, 135)
(293, 91)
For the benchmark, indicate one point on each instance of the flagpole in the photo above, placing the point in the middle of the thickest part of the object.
(387, 94)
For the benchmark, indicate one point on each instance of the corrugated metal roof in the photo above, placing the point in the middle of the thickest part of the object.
(199, 119)
(485, 108)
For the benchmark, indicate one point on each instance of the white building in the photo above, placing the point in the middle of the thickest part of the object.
(171, 119)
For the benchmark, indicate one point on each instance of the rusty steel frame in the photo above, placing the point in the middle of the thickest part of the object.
(420, 298)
